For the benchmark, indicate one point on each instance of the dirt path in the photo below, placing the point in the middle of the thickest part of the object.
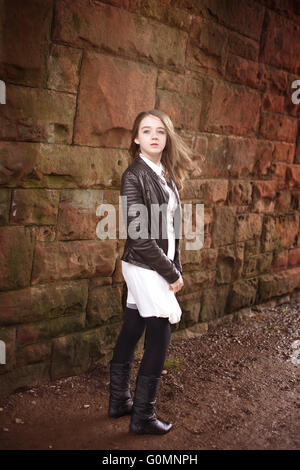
(236, 387)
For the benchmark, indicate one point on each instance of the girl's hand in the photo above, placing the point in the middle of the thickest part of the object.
(177, 285)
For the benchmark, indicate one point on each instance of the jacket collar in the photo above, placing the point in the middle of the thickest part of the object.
(140, 161)
(157, 168)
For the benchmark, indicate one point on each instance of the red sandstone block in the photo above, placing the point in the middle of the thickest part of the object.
(73, 259)
(37, 115)
(243, 71)
(206, 48)
(42, 302)
(34, 332)
(15, 257)
(280, 261)
(115, 90)
(294, 257)
(273, 102)
(34, 206)
(33, 353)
(116, 30)
(4, 206)
(77, 214)
(293, 176)
(63, 68)
(265, 189)
(284, 152)
(280, 33)
(240, 193)
(232, 110)
(278, 127)
(25, 37)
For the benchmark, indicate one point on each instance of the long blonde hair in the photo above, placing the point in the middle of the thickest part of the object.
(176, 156)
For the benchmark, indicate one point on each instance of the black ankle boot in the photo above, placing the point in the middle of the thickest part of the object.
(143, 418)
(120, 401)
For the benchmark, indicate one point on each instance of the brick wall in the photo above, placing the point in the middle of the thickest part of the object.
(76, 73)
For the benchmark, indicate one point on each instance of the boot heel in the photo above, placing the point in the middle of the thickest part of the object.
(143, 418)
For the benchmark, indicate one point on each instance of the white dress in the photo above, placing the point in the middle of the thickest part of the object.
(148, 291)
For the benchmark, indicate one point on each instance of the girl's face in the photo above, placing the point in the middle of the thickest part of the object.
(151, 131)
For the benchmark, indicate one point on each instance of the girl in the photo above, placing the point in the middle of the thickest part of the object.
(150, 265)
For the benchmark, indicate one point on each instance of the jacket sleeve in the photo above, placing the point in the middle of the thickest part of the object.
(146, 248)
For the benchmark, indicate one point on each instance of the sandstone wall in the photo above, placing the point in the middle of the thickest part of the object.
(76, 74)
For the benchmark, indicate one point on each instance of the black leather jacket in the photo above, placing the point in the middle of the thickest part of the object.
(141, 185)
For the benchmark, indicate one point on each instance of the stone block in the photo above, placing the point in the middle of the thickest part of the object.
(25, 36)
(37, 115)
(17, 244)
(63, 68)
(73, 260)
(108, 86)
(34, 206)
(43, 302)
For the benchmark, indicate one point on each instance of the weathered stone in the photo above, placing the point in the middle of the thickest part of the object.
(242, 294)
(4, 206)
(63, 67)
(73, 259)
(264, 194)
(229, 263)
(232, 110)
(73, 354)
(193, 331)
(190, 314)
(248, 226)
(258, 264)
(278, 127)
(24, 377)
(25, 30)
(200, 260)
(195, 281)
(15, 257)
(276, 284)
(280, 231)
(108, 86)
(239, 193)
(284, 152)
(34, 206)
(60, 166)
(214, 303)
(43, 302)
(242, 71)
(280, 261)
(37, 115)
(116, 30)
(77, 214)
(33, 353)
(279, 34)
(284, 202)
(273, 103)
(294, 257)
(240, 45)
(207, 47)
(37, 331)
(104, 305)
(223, 226)
(211, 192)
(293, 176)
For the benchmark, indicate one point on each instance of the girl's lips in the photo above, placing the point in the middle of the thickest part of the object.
(154, 144)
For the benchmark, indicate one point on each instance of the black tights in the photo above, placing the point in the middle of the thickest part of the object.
(158, 334)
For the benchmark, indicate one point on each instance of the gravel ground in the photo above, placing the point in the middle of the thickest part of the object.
(235, 387)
